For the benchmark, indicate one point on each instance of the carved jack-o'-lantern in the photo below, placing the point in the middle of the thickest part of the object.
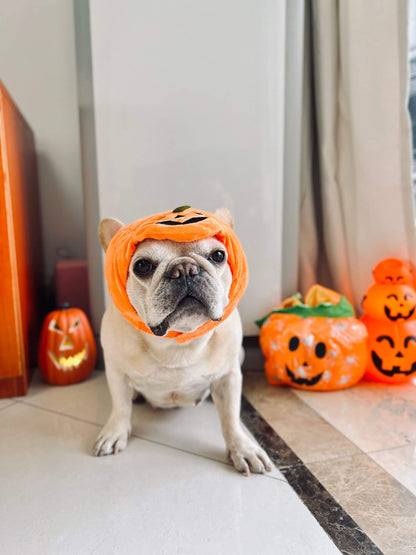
(67, 351)
(318, 346)
(390, 318)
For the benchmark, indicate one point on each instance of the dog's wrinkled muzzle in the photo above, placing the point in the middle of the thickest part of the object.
(181, 225)
(186, 290)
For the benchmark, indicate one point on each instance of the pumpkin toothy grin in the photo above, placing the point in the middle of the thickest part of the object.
(378, 363)
(303, 381)
(387, 312)
(73, 361)
(190, 221)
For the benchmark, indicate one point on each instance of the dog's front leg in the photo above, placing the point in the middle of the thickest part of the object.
(244, 453)
(113, 437)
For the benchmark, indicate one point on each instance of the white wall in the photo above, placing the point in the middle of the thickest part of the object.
(37, 66)
(189, 108)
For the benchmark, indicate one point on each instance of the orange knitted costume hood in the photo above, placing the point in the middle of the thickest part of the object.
(182, 224)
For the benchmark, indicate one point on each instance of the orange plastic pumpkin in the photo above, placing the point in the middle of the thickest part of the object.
(67, 351)
(392, 271)
(390, 317)
(317, 346)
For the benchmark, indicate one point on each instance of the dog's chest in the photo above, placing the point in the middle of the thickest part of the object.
(170, 386)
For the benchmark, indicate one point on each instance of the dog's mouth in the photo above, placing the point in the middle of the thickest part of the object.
(186, 307)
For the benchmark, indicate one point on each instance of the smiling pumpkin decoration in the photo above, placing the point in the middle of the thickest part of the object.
(315, 343)
(67, 351)
(390, 317)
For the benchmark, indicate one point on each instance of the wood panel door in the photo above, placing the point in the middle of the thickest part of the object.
(21, 259)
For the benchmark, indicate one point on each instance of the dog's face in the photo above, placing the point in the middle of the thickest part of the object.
(176, 286)
(179, 286)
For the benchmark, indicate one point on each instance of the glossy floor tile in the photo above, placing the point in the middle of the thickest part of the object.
(378, 503)
(399, 462)
(180, 428)
(154, 498)
(310, 436)
(379, 419)
(373, 416)
(358, 444)
(5, 403)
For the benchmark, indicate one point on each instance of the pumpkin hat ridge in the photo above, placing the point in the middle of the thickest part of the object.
(181, 225)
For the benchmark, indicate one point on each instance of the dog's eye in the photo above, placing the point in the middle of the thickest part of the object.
(143, 267)
(217, 257)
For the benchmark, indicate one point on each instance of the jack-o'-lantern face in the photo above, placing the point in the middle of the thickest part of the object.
(391, 359)
(184, 215)
(392, 350)
(304, 360)
(315, 353)
(67, 351)
(390, 302)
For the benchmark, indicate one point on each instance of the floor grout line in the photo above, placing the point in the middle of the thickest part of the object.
(12, 402)
(341, 433)
(409, 444)
(137, 436)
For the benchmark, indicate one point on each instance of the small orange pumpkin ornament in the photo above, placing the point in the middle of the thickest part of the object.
(316, 344)
(67, 351)
(390, 317)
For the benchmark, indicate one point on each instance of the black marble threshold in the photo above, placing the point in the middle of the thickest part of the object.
(348, 537)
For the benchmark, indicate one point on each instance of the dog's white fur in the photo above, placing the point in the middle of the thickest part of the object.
(169, 374)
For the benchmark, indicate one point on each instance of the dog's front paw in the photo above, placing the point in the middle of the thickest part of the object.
(247, 455)
(112, 439)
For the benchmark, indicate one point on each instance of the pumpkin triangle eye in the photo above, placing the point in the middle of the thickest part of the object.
(75, 325)
(53, 326)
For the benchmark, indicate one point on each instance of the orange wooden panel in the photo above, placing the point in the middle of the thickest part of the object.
(20, 243)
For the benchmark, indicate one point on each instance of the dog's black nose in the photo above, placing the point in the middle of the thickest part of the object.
(182, 269)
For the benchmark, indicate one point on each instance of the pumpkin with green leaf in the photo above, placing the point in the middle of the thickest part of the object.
(314, 343)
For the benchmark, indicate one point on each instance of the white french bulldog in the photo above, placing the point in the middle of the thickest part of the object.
(176, 286)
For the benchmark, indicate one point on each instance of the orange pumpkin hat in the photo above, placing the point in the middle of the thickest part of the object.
(183, 225)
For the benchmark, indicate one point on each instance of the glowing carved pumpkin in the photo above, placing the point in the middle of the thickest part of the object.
(67, 351)
(316, 346)
(390, 318)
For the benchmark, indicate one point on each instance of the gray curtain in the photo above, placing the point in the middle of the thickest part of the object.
(356, 191)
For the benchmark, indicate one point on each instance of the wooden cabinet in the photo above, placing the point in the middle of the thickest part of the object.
(21, 260)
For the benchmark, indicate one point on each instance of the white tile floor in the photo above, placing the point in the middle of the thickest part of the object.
(170, 492)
